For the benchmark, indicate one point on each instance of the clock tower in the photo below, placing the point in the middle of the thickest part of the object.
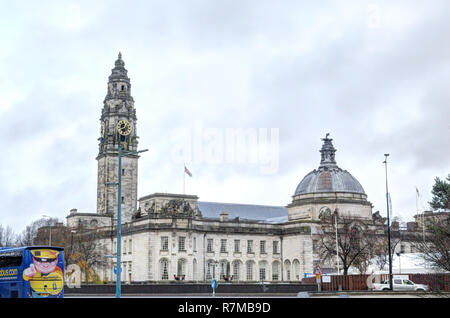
(118, 106)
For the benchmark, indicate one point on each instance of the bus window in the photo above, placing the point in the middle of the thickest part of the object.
(11, 259)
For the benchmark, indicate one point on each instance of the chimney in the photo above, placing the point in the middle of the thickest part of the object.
(224, 216)
(73, 211)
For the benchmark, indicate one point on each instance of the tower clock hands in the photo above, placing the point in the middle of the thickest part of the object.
(124, 127)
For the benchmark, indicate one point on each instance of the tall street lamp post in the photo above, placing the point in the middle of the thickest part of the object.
(124, 129)
(388, 224)
(50, 230)
(337, 246)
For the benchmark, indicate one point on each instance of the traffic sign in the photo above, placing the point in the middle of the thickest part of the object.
(213, 283)
(115, 270)
(318, 270)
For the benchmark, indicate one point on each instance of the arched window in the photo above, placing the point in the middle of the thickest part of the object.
(296, 265)
(224, 268)
(181, 267)
(287, 269)
(275, 270)
(236, 270)
(164, 269)
(262, 270)
(210, 269)
(250, 265)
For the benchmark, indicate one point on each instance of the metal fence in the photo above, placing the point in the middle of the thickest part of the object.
(436, 282)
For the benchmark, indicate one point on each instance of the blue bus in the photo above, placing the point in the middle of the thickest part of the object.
(32, 272)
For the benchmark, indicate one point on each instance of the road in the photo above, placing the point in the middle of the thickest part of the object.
(304, 295)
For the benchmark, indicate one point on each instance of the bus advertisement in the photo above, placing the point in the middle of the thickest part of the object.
(32, 272)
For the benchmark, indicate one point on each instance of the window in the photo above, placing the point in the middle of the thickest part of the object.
(181, 268)
(296, 265)
(164, 243)
(209, 269)
(209, 247)
(164, 267)
(223, 246)
(237, 246)
(124, 244)
(250, 271)
(262, 271)
(275, 271)
(275, 247)
(123, 200)
(181, 244)
(262, 247)
(123, 172)
(223, 269)
(122, 87)
(11, 259)
(194, 243)
(397, 281)
(130, 246)
(287, 268)
(250, 246)
(236, 269)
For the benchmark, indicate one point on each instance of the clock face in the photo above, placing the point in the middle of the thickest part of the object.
(124, 127)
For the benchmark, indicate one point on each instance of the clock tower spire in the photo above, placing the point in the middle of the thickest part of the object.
(118, 105)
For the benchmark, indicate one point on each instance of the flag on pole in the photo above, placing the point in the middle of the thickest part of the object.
(417, 191)
(186, 170)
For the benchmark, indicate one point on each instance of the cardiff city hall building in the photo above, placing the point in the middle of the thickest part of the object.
(176, 236)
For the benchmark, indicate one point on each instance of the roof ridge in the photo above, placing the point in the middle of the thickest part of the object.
(274, 206)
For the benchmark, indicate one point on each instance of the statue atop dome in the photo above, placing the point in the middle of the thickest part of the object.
(327, 152)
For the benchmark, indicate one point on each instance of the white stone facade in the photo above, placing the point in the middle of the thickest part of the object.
(158, 249)
(166, 236)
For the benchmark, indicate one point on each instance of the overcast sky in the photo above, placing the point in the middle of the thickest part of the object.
(375, 75)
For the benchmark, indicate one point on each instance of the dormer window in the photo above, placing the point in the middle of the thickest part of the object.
(122, 88)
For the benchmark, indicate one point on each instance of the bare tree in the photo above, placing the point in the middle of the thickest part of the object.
(435, 249)
(7, 236)
(85, 250)
(355, 241)
(381, 249)
(28, 236)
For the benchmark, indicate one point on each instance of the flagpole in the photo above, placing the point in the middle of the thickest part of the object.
(184, 180)
(388, 225)
(423, 214)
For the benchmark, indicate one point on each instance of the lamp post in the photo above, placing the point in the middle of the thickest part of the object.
(119, 216)
(399, 262)
(50, 230)
(388, 225)
(72, 232)
(337, 246)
